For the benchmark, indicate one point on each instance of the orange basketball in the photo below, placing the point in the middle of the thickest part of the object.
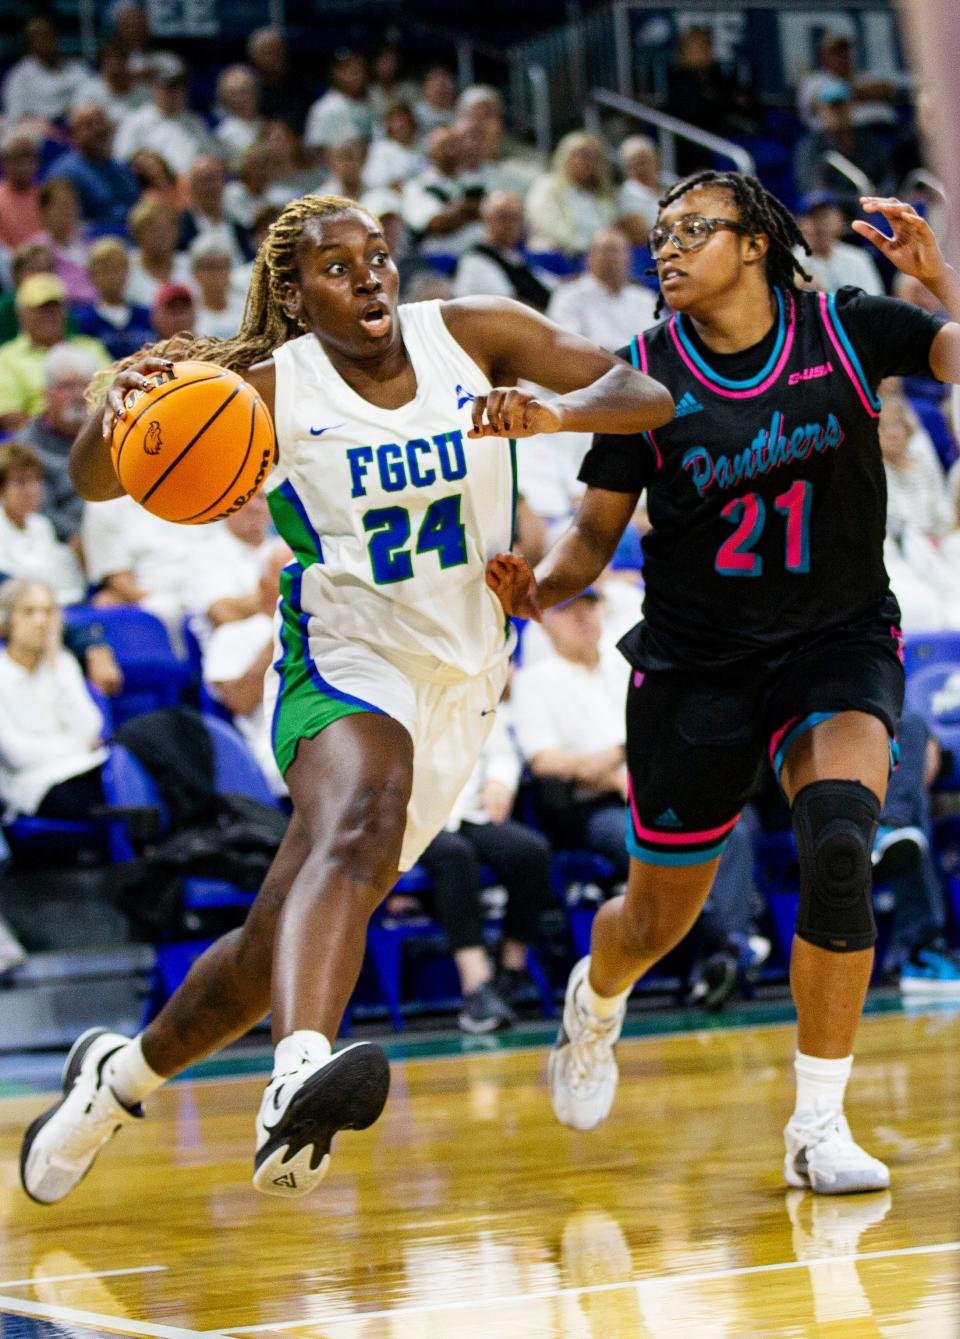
(195, 445)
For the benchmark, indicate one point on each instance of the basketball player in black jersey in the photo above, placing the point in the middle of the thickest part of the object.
(769, 628)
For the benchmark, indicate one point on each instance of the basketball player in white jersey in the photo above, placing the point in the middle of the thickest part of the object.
(394, 486)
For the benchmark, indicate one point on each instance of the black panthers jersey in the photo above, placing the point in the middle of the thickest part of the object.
(766, 492)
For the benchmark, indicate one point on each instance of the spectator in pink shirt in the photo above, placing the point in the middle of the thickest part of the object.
(60, 212)
(19, 204)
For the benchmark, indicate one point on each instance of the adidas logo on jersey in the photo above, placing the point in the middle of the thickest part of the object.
(463, 397)
(668, 818)
(687, 404)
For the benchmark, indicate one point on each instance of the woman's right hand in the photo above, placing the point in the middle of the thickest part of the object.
(132, 378)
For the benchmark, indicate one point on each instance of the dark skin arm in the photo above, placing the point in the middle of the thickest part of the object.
(91, 468)
(574, 562)
(598, 392)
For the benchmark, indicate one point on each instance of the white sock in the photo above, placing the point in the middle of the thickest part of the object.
(820, 1085)
(129, 1075)
(300, 1048)
(601, 1006)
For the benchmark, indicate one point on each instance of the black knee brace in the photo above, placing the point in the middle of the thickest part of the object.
(834, 823)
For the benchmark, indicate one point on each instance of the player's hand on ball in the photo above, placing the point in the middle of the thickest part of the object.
(132, 378)
(511, 579)
(509, 411)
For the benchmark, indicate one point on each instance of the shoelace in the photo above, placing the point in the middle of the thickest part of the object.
(591, 1050)
(833, 1129)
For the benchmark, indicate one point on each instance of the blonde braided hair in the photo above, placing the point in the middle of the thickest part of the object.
(265, 325)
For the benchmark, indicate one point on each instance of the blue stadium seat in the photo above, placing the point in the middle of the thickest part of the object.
(943, 720)
(153, 675)
(930, 648)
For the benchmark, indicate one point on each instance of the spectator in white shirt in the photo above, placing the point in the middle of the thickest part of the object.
(570, 204)
(833, 263)
(641, 189)
(437, 208)
(916, 488)
(437, 101)
(569, 721)
(137, 558)
(496, 265)
(155, 227)
(164, 124)
(226, 587)
(43, 84)
(115, 88)
(50, 728)
(507, 164)
(344, 111)
(873, 94)
(219, 308)
(393, 159)
(28, 542)
(238, 102)
(236, 657)
(603, 305)
(346, 159)
(206, 215)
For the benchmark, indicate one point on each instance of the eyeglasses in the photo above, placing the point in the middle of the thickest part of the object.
(689, 233)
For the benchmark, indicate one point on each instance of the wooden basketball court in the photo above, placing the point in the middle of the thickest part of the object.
(468, 1213)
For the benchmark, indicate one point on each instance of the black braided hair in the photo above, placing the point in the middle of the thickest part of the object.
(759, 212)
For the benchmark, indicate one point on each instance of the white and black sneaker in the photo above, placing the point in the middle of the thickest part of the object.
(824, 1157)
(485, 1010)
(582, 1070)
(303, 1109)
(61, 1146)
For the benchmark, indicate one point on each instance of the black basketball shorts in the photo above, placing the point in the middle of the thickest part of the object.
(697, 739)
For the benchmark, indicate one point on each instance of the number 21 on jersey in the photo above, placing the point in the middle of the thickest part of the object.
(735, 556)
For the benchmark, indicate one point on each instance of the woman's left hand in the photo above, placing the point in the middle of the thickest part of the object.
(509, 411)
(913, 248)
(511, 579)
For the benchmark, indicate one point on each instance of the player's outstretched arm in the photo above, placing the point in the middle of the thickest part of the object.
(914, 250)
(91, 468)
(598, 392)
(584, 550)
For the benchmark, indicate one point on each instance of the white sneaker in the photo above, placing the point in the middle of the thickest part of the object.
(582, 1070)
(60, 1147)
(302, 1110)
(824, 1157)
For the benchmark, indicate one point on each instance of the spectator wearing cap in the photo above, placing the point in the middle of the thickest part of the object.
(283, 95)
(43, 84)
(394, 158)
(639, 194)
(42, 312)
(164, 124)
(602, 304)
(238, 106)
(62, 233)
(68, 370)
(219, 306)
(833, 263)
(577, 756)
(206, 215)
(344, 111)
(567, 206)
(122, 327)
(496, 264)
(19, 192)
(30, 258)
(114, 87)
(28, 543)
(106, 188)
(155, 227)
(838, 135)
(437, 103)
(440, 212)
(173, 311)
(873, 94)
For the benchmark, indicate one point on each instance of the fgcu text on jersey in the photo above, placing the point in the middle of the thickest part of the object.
(768, 507)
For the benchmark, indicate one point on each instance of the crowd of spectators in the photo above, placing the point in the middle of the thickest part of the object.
(128, 213)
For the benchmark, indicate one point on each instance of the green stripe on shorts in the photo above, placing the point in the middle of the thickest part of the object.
(305, 703)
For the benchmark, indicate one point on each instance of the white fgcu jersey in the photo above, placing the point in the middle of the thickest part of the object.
(394, 513)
